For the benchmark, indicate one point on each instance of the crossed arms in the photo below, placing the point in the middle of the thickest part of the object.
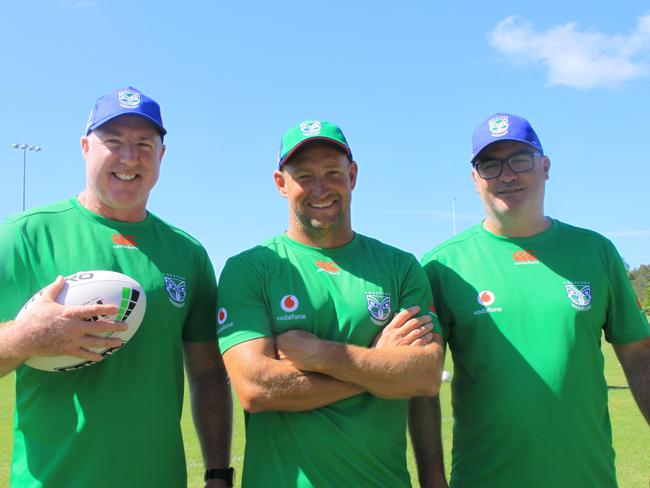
(296, 371)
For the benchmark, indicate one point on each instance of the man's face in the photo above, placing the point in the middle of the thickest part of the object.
(512, 193)
(123, 160)
(318, 182)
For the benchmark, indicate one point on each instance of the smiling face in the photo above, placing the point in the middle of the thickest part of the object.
(318, 182)
(123, 160)
(513, 200)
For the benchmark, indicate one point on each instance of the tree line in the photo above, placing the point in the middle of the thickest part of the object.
(640, 279)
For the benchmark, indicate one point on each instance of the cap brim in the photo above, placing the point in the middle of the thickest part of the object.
(504, 139)
(105, 120)
(312, 139)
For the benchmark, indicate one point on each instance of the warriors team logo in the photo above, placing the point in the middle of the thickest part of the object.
(310, 127)
(129, 98)
(580, 294)
(289, 303)
(379, 307)
(222, 315)
(176, 287)
(499, 125)
(486, 298)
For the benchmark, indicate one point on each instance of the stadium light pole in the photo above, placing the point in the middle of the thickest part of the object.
(24, 148)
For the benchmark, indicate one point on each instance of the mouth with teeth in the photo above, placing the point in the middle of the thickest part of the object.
(322, 205)
(510, 191)
(125, 176)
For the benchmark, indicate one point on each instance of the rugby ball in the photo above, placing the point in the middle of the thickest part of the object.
(95, 287)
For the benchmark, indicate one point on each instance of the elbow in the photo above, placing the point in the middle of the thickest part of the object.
(253, 401)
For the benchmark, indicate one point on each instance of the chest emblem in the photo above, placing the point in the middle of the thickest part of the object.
(379, 306)
(176, 287)
(580, 294)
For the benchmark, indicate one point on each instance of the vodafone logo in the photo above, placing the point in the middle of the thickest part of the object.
(289, 303)
(485, 298)
(222, 315)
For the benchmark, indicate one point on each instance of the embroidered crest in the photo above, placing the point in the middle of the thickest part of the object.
(310, 127)
(379, 306)
(499, 125)
(580, 294)
(129, 98)
(176, 287)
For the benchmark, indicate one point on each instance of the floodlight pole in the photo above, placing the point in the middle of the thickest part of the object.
(24, 148)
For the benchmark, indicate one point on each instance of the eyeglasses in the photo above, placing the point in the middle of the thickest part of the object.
(492, 168)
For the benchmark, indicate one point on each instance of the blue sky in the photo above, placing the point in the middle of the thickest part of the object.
(407, 81)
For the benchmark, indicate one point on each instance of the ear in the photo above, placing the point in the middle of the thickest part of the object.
(163, 149)
(353, 170)
(475, 178)
(84, 146)
(547, 167)
(280, 182)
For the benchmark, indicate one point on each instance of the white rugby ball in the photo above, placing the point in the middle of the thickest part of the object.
(95, 287)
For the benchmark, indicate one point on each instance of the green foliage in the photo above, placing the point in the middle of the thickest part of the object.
(640, 279)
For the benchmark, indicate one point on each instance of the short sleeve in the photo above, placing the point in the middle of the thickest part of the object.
(243, 313)
(417, 291)
(626, 321)
(199, 325)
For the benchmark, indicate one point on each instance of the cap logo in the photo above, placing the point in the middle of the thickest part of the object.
(499, 125)
(310, 127)
(128, 98)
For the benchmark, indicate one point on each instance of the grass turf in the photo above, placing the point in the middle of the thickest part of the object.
(630, 431)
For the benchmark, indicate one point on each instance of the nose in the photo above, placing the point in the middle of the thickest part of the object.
(507, 174)
(128, 153)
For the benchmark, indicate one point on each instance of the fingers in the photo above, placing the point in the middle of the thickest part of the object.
(106, 326)
(401, 317)
(89, 311)
(86, 354)
(94, 342)
(52, 290)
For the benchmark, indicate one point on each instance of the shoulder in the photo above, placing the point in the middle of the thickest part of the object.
(588, 235)
(378, 247)
(453, 245)
(40, 214)
(258, 256)
(183, 237)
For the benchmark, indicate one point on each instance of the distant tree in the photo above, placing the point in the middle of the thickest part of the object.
(646, 300)
(640, 279)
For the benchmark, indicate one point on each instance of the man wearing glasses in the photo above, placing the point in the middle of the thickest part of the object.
(523, 300)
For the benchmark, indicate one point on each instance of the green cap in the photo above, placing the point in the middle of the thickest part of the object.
(307, 131)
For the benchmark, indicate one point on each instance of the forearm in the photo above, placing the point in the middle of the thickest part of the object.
(424, 428)
(212, 413)
(280, 386)
(10, 350)
(635, 359)
(392, 372)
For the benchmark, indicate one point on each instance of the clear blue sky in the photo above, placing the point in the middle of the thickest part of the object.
(407, 81)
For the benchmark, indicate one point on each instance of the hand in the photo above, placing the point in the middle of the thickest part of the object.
(405, 330)
(299, 348)
(50, 329)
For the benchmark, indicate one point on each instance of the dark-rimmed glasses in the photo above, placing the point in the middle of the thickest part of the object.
(519, 163)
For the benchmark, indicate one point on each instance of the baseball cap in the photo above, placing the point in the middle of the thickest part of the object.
(125, 101)
(307, 131)
(503, 127)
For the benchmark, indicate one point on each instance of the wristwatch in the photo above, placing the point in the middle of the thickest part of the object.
(228, 475)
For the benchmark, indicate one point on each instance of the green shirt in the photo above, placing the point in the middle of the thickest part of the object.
(117, 422)
(523, 318)
(346, 294)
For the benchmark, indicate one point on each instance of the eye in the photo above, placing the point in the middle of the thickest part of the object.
(145, 145)
(491, 165)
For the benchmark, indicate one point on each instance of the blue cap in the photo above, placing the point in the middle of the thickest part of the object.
(125, 101)
(504, 127)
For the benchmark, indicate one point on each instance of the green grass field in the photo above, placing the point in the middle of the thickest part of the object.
(631, 434)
